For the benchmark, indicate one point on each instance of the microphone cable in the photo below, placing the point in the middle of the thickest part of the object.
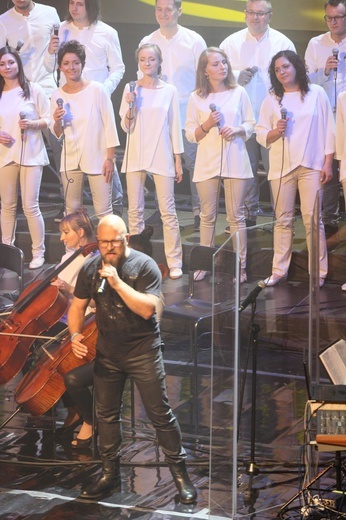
(21, 158)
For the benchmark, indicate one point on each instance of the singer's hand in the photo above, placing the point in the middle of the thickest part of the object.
(245, 76)
(213, 120)
(6, 139)
(78, 348)
(53, 46)
(281, 125)
(59, 114)
(25, 124)
(178, 168)
(229, 133)
(331, 64)
(110, 272)
(130, 97)
(108, 171)
(326, 173)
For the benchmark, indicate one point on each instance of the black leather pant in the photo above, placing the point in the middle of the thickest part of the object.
(77, 383)
(148, 373)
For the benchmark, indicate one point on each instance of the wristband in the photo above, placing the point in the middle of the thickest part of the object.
(205, 131)
(74, 335)
(129, 118)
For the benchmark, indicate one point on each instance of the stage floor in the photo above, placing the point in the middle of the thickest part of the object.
(41, 476)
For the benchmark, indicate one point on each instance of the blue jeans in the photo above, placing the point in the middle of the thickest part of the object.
(148, 373)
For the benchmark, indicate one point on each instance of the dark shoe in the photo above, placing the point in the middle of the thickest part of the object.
(109, 482)
(155, 218)
(196, 223)
(81, 444)
(330, 229)
(67, 431)
(187, 491)
(58, 218)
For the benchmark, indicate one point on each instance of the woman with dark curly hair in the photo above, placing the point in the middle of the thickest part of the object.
(297, 125)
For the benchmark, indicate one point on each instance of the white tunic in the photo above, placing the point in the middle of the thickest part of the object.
(341, 134)
(89, 128)
(180, 56)
(157, 133)
(35, 31)
(33, 152)
(104, 61)
(244, 50)
(319, 49)
(310, 133)
(233, 161)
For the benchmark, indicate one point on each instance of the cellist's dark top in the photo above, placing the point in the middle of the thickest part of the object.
(121, 331)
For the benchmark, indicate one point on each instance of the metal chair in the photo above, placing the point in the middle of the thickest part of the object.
(11, 275)
(198, 308)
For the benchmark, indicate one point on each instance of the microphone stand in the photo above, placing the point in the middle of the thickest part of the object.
(251, 494)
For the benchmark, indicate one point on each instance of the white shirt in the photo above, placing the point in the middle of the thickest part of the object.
(310, 133)
(33, 151)
(233, 161)
(341, 134)
(89, 128)
(244, 50)
(180, 59)
(104, 62)
(35, 31)
(318, 51)
(156, 136)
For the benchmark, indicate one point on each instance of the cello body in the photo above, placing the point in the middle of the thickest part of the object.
(33, 319)
(43, 386)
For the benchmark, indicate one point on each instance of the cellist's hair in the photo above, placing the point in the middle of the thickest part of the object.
(77, 220)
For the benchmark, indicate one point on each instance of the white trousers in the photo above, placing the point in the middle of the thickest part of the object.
(165, 198)
(29, 179)
(284, 192)
(235, 190)
(101, 192)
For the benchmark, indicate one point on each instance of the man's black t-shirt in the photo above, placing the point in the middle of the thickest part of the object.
(122, 333)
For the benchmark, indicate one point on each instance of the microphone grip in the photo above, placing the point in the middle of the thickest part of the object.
(102, 286)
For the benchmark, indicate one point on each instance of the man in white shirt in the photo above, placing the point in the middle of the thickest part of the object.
(104, 62)
(31, 24)
(325, 59)
(250, 51)
(181, 49)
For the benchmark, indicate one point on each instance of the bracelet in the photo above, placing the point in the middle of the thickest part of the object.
(74, 335)
(205, 131)
(129, 118)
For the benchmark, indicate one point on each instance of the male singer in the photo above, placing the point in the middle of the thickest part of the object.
(250, 51)
(181, 49)
(104, 61)
(128, 345)
(325, 59)
(32, 24)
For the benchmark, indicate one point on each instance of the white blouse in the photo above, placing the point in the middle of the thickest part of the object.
(216, 156)
(31, 151)
(157, 134)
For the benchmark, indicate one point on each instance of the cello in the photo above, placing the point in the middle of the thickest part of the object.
(43, 386)
(38, 308)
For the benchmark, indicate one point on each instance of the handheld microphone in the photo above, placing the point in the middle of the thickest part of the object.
(56, 29)
(22, 115)
(60, 103)
(212, 107)
(102, 286)
(283, 113)
(251, 298)
(132, 89)
(20, 44)
(335, 53)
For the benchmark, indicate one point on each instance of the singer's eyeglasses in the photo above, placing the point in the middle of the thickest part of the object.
(258, 14)
(334, 18)
(117, 242)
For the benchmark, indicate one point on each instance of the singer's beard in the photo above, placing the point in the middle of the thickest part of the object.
(111, 258)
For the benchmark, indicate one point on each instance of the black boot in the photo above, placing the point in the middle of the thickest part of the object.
(110, 481)
(187, 491)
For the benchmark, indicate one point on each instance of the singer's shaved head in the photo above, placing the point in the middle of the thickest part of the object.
(112, 238)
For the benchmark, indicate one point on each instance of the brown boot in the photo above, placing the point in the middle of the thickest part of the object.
(187, 491)
(110, 481)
